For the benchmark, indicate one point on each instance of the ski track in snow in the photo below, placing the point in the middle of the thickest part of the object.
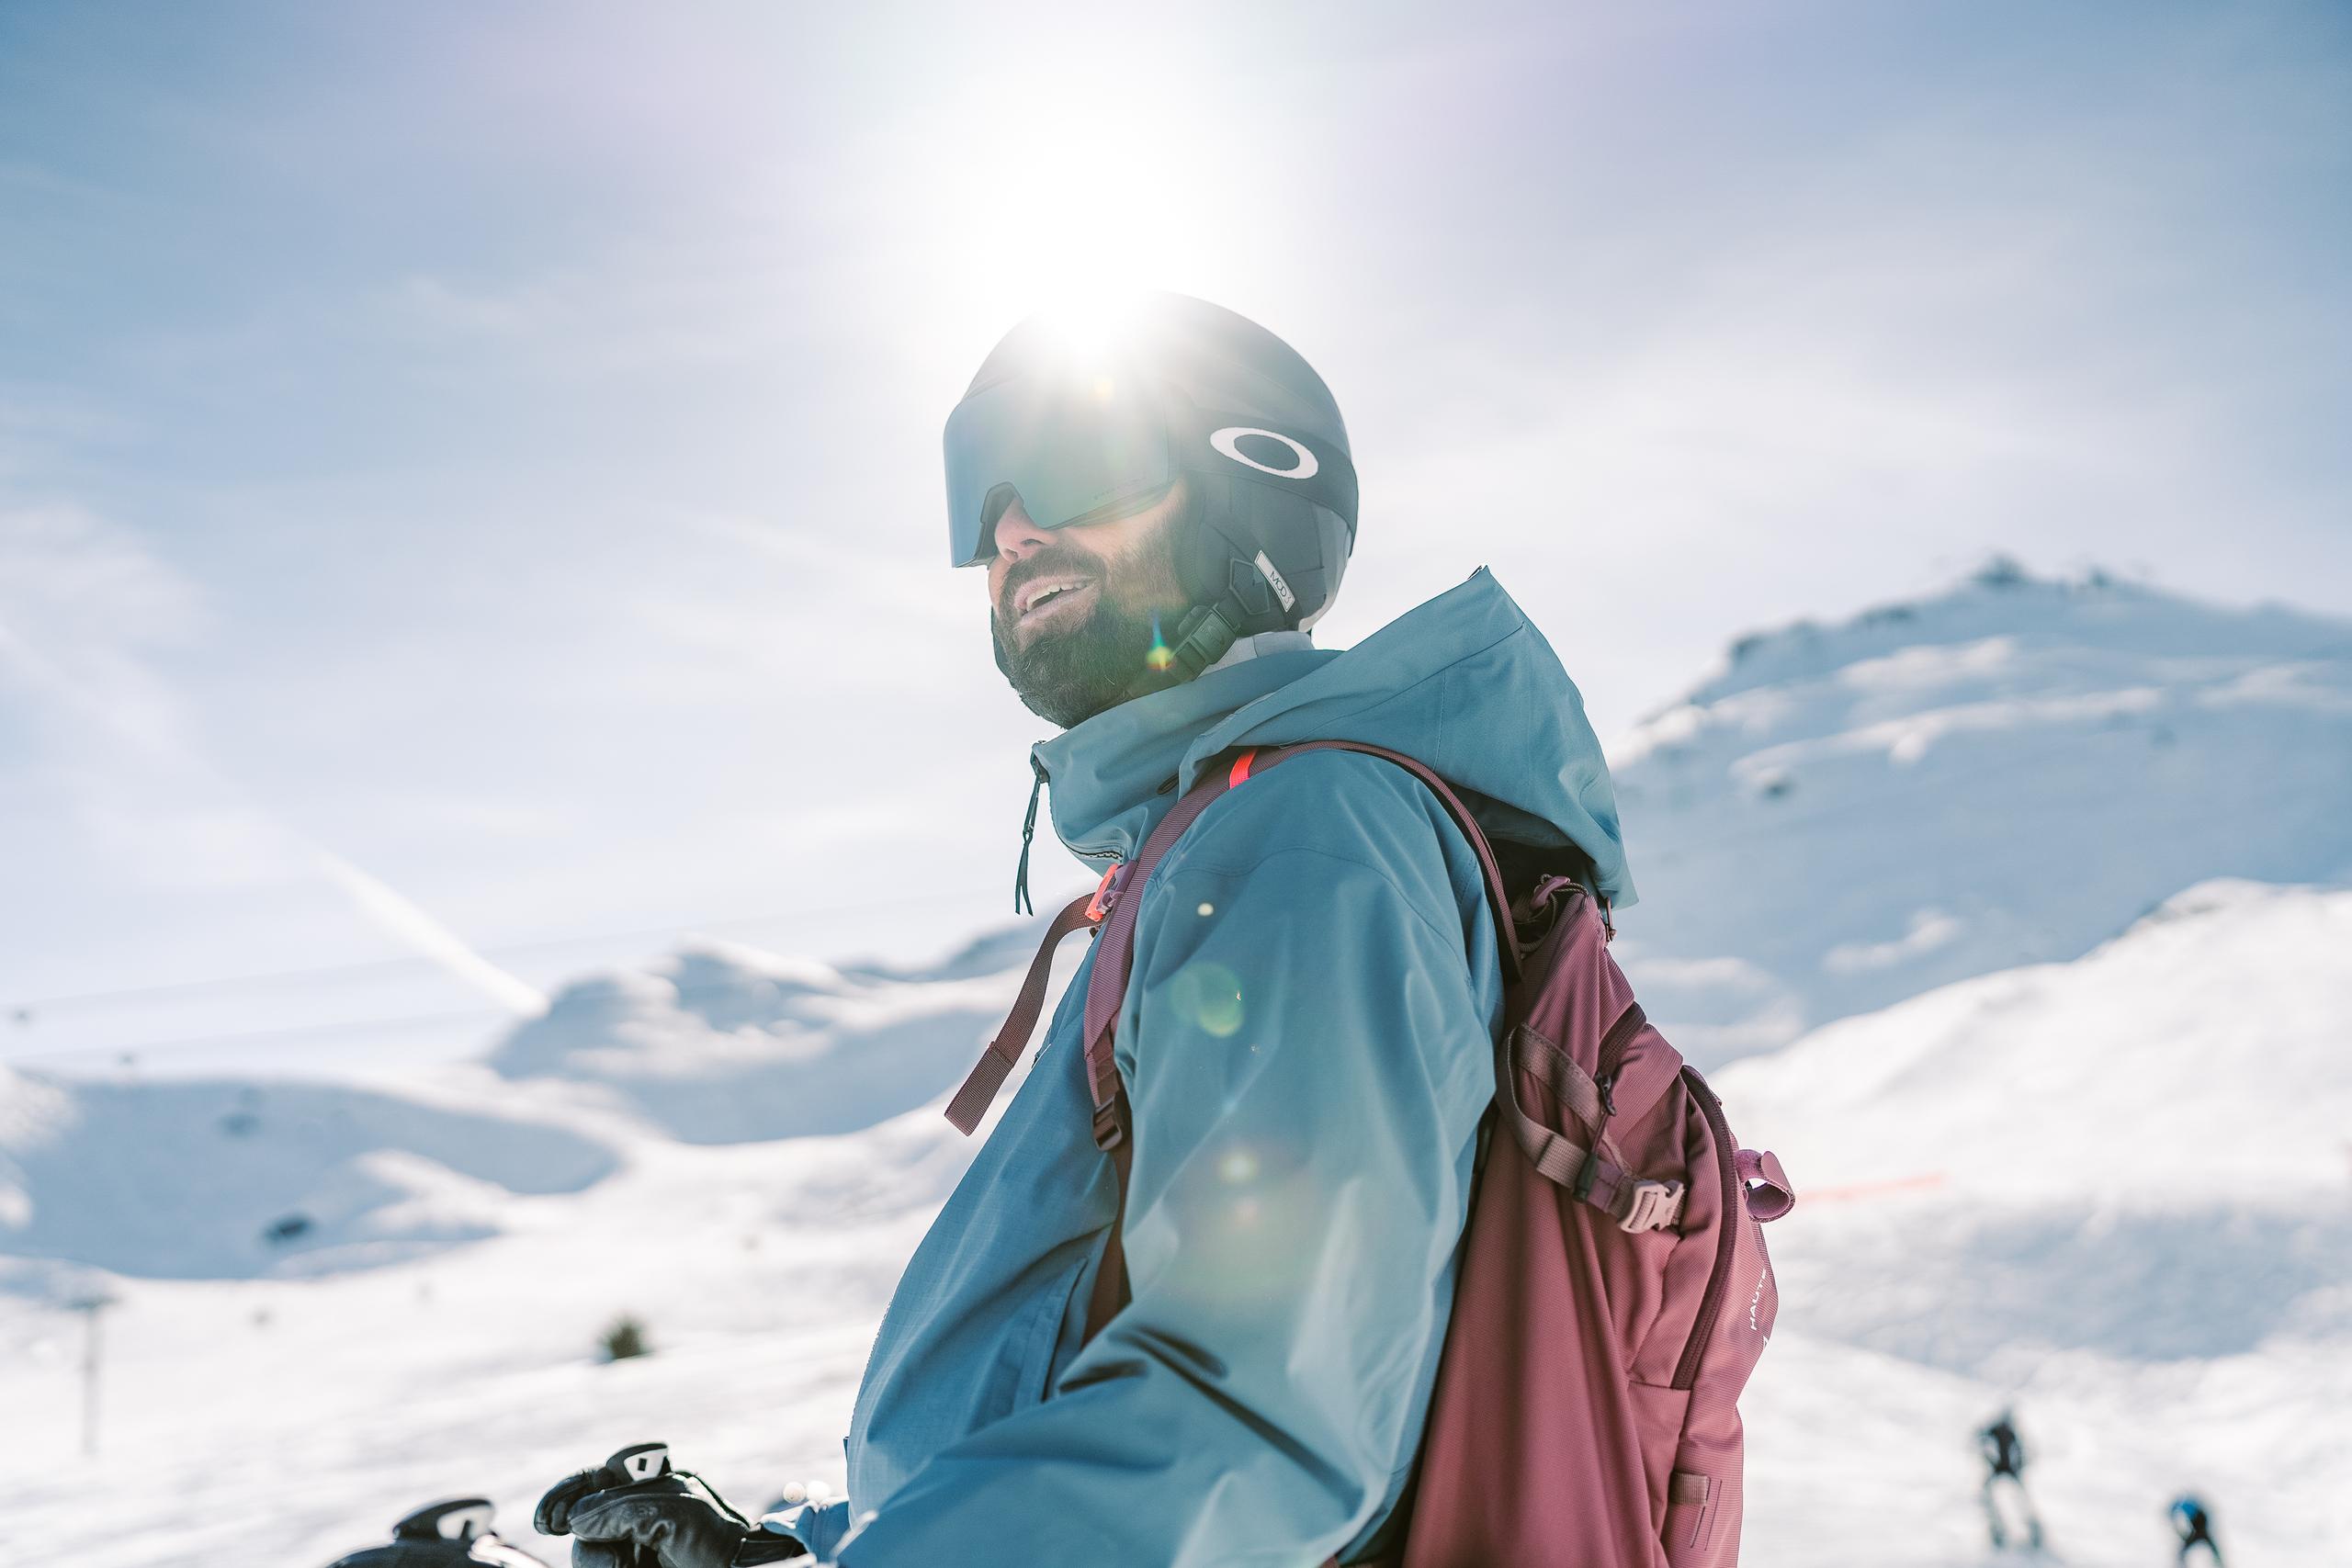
(2068, 1080)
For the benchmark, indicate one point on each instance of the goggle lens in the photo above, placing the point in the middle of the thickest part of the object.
(1070, 457)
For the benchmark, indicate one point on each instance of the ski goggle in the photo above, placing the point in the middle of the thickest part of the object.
(1086, 453)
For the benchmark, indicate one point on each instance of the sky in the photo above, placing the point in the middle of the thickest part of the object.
(469, 496)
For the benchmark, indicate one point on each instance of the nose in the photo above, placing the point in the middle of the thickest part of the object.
(1016, 534)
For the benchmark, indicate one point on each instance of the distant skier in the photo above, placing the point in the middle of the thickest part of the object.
(2194, 1525)
(2005, 1457)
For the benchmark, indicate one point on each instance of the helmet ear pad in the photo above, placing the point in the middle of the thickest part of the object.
(1228, 522)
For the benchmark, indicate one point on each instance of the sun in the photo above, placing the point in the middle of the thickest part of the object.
(1077, 200)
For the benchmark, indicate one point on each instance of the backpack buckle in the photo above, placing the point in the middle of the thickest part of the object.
(1106, 893)
(1650, 1206)
(1108, 1133)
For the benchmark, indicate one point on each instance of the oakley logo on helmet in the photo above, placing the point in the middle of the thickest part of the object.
(1227, 441)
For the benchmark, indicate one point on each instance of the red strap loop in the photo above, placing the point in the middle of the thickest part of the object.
(1241, 767)
(1098, 906)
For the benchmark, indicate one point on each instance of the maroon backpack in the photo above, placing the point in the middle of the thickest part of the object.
(1613, 1292)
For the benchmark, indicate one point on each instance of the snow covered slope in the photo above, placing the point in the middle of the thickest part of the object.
(721, 1044)
(283, 1421)
(2009, 772)
(2111, 1190)
(2199, 1056)
(224, 1179)
(2117, 1192)
(715, 1044)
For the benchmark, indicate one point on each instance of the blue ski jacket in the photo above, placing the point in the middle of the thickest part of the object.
(1306, 1046)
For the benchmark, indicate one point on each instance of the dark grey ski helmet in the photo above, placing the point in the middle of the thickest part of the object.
(1087, 428)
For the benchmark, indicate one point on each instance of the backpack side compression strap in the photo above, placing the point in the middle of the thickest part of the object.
(972, 1102)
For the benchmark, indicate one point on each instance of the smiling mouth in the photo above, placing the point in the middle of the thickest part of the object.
(1040, 601)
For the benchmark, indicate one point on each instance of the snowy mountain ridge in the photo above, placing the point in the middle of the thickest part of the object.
(1897, 644)
(719, 1042)
(715, 1043)
(2003, 773)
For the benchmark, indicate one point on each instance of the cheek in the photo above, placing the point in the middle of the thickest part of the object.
(1151, 572)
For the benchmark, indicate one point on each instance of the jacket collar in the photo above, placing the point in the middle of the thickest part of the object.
(1114, 776)
(1465, 682)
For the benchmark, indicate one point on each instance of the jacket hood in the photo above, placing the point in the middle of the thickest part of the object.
(1464, 682)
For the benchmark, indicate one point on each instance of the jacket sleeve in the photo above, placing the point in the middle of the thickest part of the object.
(1314, 1009)
(817, 1525)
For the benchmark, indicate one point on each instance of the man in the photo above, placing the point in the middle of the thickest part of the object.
(1305, 1042)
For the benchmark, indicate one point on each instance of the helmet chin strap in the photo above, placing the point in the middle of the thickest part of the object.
(1203, 636)
(1218, 571)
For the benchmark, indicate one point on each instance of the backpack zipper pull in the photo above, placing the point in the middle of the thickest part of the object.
(1028, 831)
(1591, 1170)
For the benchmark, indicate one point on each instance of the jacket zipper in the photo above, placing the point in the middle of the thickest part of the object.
(1711, 1306)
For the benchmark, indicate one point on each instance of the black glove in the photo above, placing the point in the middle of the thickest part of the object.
(635, 1511)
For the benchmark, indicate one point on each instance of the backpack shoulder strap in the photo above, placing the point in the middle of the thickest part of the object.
(1106, 987)
(1003, 1054)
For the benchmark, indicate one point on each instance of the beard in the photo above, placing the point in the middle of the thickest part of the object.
(1067, 675)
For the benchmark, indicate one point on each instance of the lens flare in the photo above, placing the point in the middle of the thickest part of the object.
(1161, 654)
(1210, 996)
